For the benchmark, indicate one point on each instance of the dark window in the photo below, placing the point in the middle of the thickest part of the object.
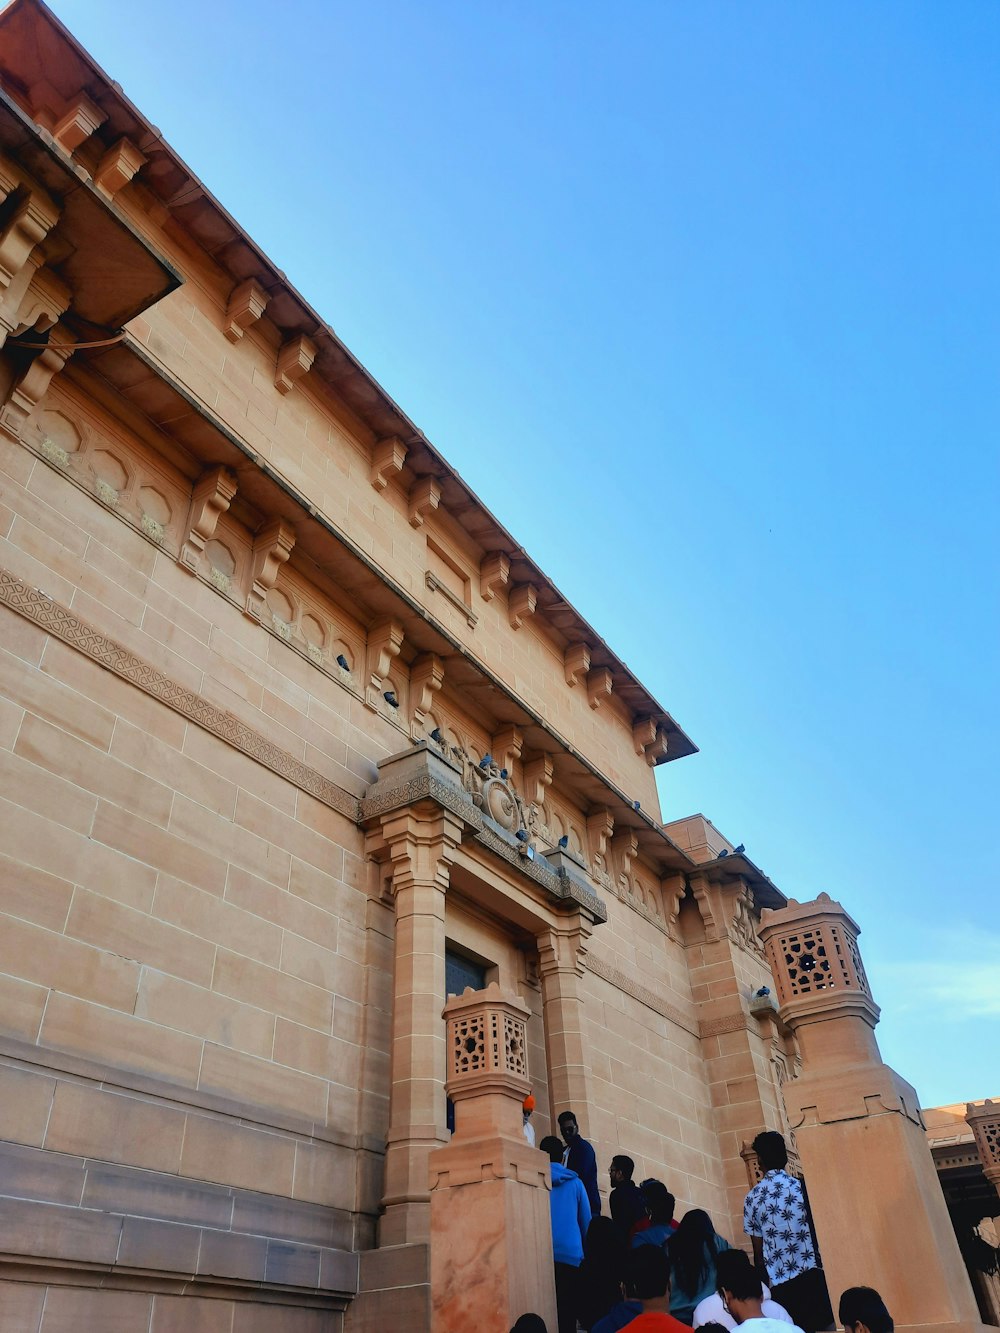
(460, 972)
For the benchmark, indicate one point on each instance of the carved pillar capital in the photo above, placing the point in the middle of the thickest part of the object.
(421, 844)
(563, 947)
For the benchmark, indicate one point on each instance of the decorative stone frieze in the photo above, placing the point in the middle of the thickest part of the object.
(447, 776)
(388, 458)
(113, 656)
(247, 304)
(212, 496)
(294, 360)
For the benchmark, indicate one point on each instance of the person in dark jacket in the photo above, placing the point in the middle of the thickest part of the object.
(570, 1212)
(580, 1157)
(626, 1203)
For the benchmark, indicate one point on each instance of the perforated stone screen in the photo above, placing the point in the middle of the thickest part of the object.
(487, 1040)
(816, 958)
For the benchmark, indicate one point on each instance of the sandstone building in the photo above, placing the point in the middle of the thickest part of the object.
(296, 741)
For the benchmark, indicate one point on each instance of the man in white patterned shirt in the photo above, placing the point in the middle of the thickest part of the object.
(776, 1218)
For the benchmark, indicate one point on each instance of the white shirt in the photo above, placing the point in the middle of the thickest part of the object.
(712, 1311)
(769, 1325)
(529, 1131)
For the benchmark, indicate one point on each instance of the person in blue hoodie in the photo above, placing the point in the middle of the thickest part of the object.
(570, 1210)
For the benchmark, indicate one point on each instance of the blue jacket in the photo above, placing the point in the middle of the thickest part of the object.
(619, 1316)
(570, 1216)
(581, 1158)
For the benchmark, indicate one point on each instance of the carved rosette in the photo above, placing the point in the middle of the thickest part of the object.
(491, 790)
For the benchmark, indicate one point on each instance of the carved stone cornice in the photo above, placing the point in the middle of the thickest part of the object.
(491, 813)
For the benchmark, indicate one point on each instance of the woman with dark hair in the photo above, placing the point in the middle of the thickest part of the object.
(602, 1271)
(693, 1250)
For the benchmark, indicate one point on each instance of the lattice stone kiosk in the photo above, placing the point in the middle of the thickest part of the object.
(491, 1240)
(881, 1218)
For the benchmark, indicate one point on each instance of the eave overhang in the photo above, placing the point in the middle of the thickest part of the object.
(129, 381)
(36, 51)
(113, 273)
(738, 866)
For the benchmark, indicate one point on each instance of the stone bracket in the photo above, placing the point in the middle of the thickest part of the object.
(425, 496)
(118, 165)
(388, 458)
(294, 359)
(494, 574)
(599, 686)
(78, 124)
(271, 548)
(385, 639)
(247, 304)
(576, 663)
(521, 603)
(506, 746)
(538, 778)
(212, 496)
(426, 678)
(31, 386)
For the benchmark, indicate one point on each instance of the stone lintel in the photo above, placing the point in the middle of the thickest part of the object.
(423, 773)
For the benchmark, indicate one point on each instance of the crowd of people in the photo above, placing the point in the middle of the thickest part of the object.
(642, 1270)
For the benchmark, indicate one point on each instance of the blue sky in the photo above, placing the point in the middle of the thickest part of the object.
(703, 299)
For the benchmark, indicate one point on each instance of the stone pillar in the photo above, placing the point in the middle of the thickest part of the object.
(984, 1121)
(881, 1218)
(561, 951)
(491, 1235)
(422, 841)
